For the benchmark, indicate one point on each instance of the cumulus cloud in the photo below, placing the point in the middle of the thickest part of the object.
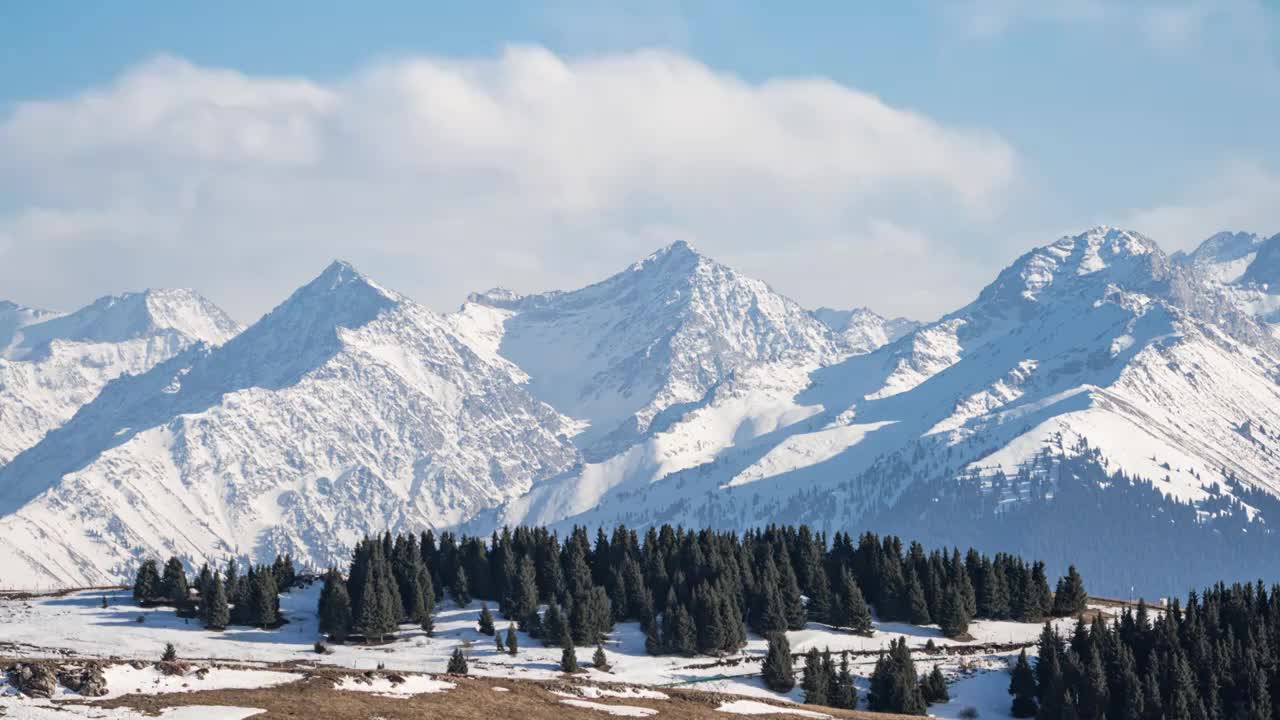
(439, 176)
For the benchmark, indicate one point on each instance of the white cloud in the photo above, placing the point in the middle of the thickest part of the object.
(1241, 197)
(440, 176)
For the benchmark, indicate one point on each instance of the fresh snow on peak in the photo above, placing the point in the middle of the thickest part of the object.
(119, 318)
(1265, 268)
(1222, 257)
(678, 252)
(51, 364)
(1096, 338)
(496, 297)
(1234, 274)
(863, 329)
(1100, 255)
(347, 407)
(676, 390)
(14, 317)
(650, 342)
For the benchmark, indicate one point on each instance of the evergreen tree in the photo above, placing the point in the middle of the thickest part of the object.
(895, 687)
(203, 579)
(918, 607)
(335, 607)
(599, 660)
(216, 612)
(513, 644)
(461, 589)
(1022, 686)
(1092, 695)
(174, 583)
(486, 620)
(853, 611)
(993, 595)
(652, 640)
(568, 655)
(170, 653)
(553, 625)
(263, 599)
(146, 584)
(816, 683)
(844, 694)
(792, 602)
(524, 597)
(1071, 597)
(777, 669)
(1048, 648)
(682, 637)
(954, 620)
(457, 663)
(934, 687)
(377, 613)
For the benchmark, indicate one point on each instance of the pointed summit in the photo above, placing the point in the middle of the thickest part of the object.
(339, 296)
(659, 334)
(676, 256)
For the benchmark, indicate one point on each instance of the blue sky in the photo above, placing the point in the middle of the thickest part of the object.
(1156, 115)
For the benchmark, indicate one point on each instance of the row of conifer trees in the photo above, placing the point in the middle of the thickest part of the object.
(1215, 658)
(895, 684)
(692, 591)
(220, 599)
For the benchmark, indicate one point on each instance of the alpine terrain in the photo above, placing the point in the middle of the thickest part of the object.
(53, 363)
(1098, 393)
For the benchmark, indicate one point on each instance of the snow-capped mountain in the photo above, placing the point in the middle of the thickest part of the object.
(1222, 258)
(51, 364)
(346, 409)
(1240, 270)
(1098, 337)
(681, 391)
(633, 352)
(862, 329)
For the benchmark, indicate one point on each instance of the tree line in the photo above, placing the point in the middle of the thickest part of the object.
(1214, 658)
(692, 591)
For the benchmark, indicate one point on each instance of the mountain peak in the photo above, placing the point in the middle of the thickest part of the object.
(1112, 255)
(1115, 241)
(864, 329)
(677, 255)
(117, 318)
(1265, 267)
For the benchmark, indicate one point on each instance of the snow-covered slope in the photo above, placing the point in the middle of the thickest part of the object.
(1222, 258)
(633, 352)
(862, 329)
(1098, 336)
(675, 391)
(347, 409)
(52, 364)
(1242, 271)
